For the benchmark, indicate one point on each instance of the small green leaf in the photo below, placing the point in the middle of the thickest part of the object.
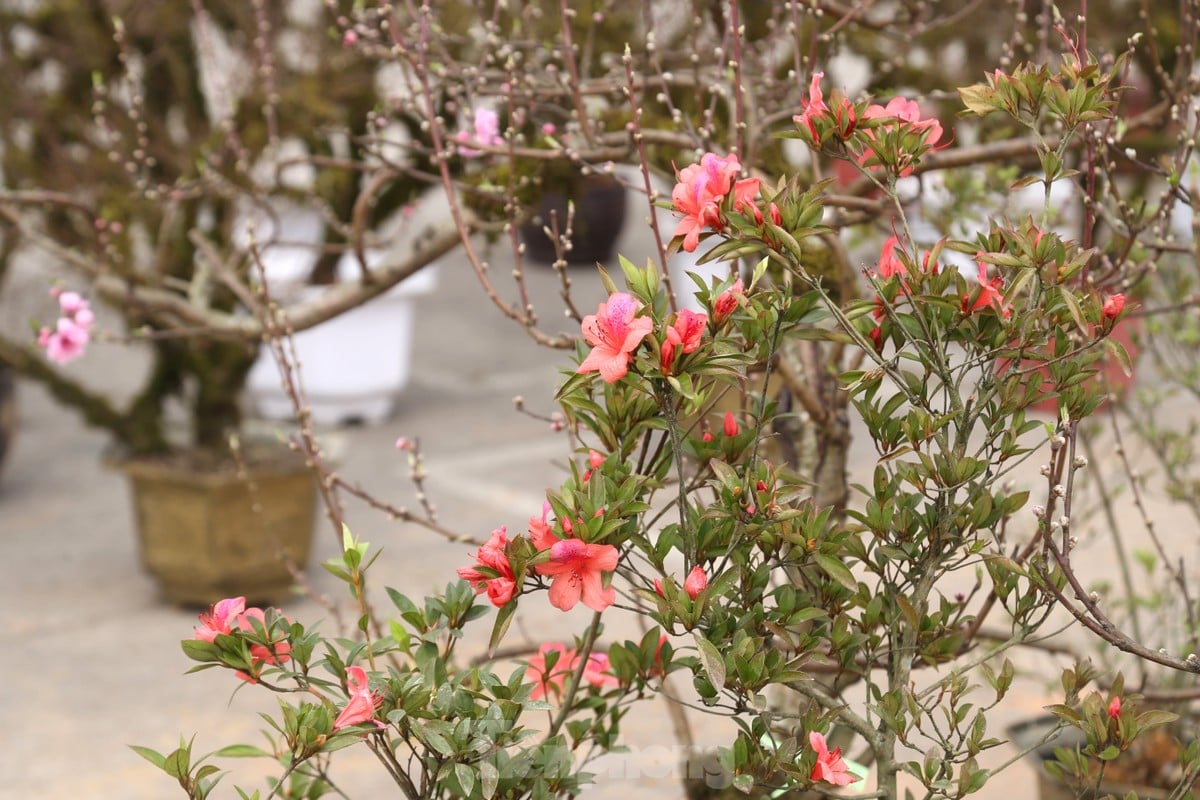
(710, 659)
(835, 569)
(243, 751)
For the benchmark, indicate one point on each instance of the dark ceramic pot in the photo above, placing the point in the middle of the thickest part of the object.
(599, 218)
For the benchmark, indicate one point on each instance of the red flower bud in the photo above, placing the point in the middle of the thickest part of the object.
(696, 582)
(1114, 708)
(1113, 306)
(731, 424)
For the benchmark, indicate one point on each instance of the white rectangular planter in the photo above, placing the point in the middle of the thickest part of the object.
(352, 367)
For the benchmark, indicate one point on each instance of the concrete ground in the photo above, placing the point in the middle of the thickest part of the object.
(89, 654)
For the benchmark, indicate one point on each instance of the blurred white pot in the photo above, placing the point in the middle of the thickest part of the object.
(352, 367)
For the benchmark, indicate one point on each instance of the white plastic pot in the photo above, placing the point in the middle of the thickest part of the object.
(352, 367)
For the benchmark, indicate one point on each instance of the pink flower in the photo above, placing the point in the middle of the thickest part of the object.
(496, 578)
(614, 332)
(989, 294)
(486, 132)
(595, 461)
(1114, 304)
(549, 679)
(66, 342)
(686, 333)
(577, 572)
(908, 113)
(730, 426)
(815, 106)
(539, 530)
(1114, 708)
(702, 188)
(70, 303)
(727, 302)
(219, 618)
(889, 263)
(596, 672)
(830, 767)
(696, 582)
(275, 651)
(362, 703)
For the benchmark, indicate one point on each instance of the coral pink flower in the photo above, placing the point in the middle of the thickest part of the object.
(989, 294)
(830, 767)
(814, 107)
(686, 333)
(614, 332)
(362, 703)
(540, 532)
(546, 680)
(1114, 304)
(727, 302)
(908, 113)
(276, 652)
(219, 618)
(701, 189)
(696, 582)
(1114, 708)
(889, 263)
(597, 671)
(577, 571)
(498, 581)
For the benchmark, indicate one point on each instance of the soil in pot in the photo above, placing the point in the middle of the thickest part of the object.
(211, 528)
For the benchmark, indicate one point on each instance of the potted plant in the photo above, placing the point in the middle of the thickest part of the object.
(136, 201)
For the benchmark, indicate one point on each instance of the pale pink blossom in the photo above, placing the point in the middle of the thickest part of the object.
(361, 704)
(66, 342)
(614, 332)
(830, 767)
(485, 132)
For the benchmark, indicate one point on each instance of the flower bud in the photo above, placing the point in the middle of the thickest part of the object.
(731, 425)
(696, 582)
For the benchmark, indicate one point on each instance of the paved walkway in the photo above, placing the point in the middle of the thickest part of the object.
(89, 653)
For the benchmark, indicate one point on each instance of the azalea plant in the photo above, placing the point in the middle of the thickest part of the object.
(859, 632)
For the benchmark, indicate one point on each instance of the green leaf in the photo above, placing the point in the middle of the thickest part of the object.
(489, 779)
(243, 751)
(503, 620)
(153, 756)
(466, 778)
(835, 569)
(710, 660)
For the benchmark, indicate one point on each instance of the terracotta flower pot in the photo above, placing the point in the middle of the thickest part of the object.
(210, 534)
(1030, 732)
